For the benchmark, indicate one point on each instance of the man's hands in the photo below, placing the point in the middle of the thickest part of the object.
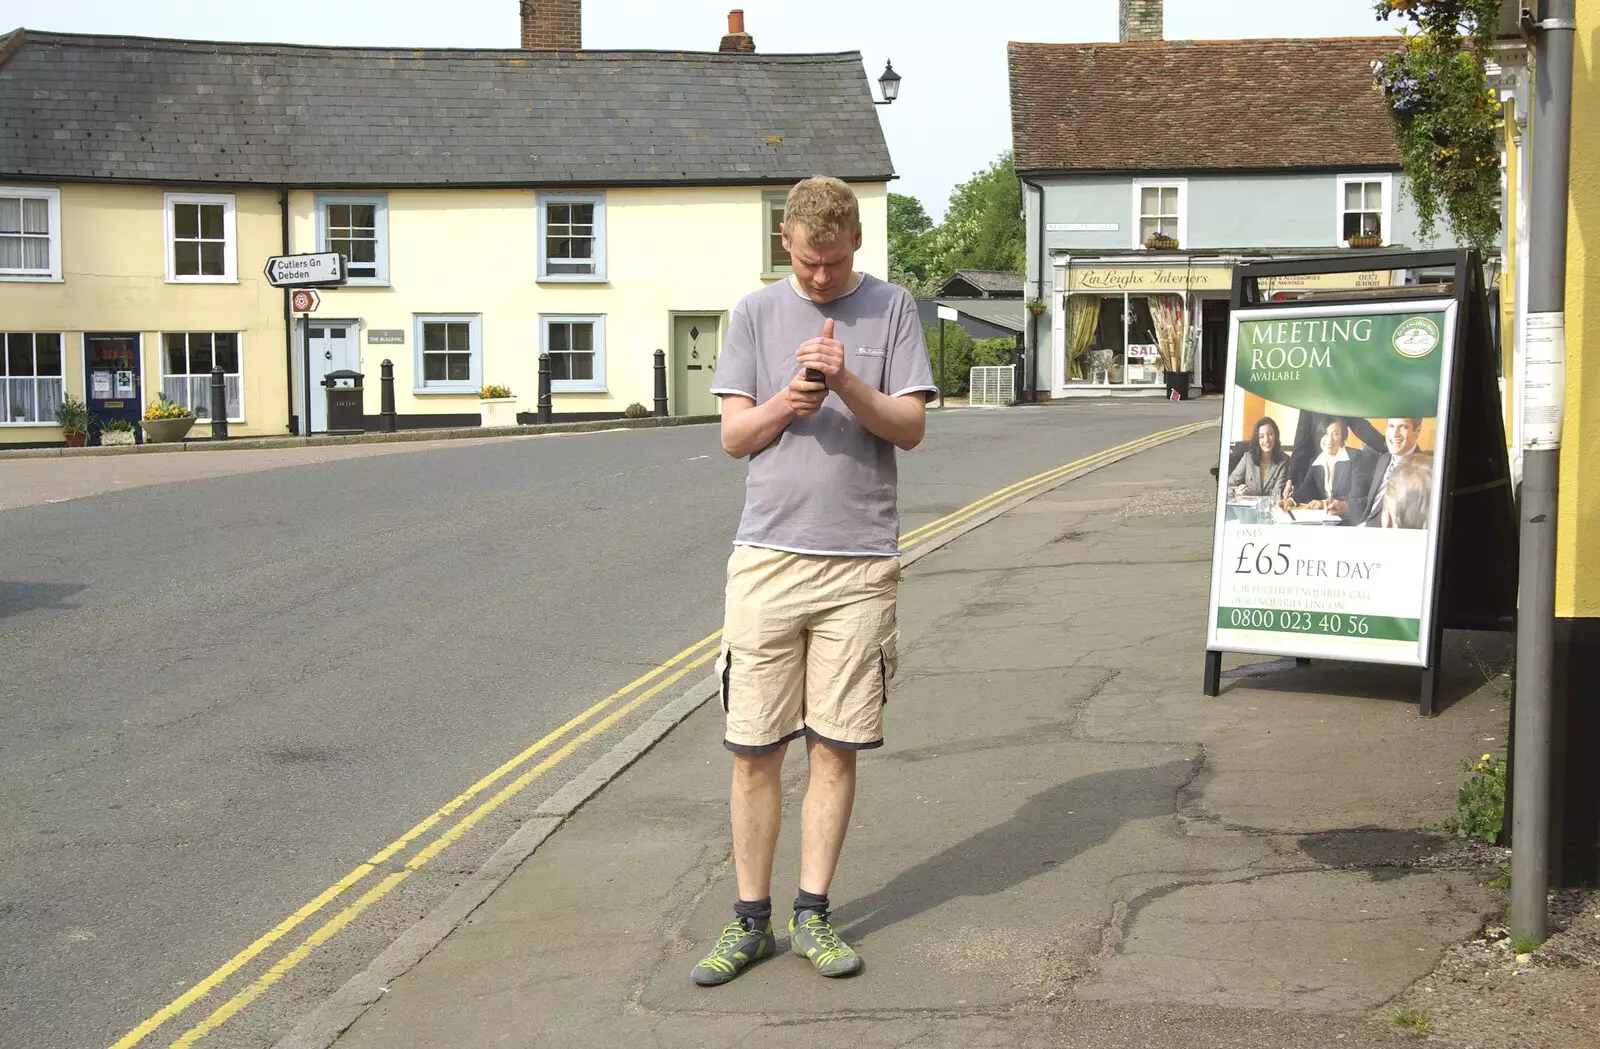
(817, 357)
(825, 355)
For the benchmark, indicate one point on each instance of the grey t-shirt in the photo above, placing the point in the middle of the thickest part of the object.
(827, 485)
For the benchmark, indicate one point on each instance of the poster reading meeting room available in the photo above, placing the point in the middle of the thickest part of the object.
(1328, 509)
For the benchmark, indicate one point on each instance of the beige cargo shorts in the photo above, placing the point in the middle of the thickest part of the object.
(809, 644)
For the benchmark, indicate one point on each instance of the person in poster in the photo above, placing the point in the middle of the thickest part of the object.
(1336, 481)
(1400, 443)
(1264, 470)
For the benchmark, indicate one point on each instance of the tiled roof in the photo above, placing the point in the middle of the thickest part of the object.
(186, 111)
(1200, 105)
(990, 281)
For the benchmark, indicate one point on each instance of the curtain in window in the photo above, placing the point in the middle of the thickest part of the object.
(194, 393)
(24, 233)
(1083, 315)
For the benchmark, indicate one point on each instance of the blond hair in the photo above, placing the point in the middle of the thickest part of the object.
(1410, 489)
(825, 207)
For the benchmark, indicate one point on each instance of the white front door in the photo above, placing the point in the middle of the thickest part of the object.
(332, 346)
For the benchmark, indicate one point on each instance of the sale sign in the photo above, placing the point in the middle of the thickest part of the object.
(1326, 538)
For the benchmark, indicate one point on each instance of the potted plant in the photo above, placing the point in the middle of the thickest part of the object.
(72, 415)
(1369, 241)
(115, 432)
(498, 406)
(1171, 342)
(1161, 242)
(1037, 306)
(635, 411)
(166, 422)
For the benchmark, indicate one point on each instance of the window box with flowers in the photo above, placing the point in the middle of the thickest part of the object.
(1365, 242)
(498, 405)
(1161, 242)
(166, 422)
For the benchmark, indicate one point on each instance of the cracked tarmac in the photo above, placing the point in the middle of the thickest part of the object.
(1063, 842)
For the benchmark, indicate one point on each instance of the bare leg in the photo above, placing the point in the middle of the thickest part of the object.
(757, 805)
(830, 795)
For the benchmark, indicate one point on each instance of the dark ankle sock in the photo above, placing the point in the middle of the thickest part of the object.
(754, 913)
(810, 901)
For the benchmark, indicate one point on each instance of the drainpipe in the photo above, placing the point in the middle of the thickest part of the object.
(1544, 396)
(288, 316)
(1032, 378)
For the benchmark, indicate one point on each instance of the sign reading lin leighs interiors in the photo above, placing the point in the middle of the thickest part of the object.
(1328, 544)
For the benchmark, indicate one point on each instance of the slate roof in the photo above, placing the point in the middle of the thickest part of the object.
(182, 111)
(990, 282)
(1206, 105)
(1002, 313)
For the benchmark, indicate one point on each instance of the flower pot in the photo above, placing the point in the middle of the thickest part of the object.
(498, 411)
(1161, 244)
(1177, 382)
(113, 438)
(166, 431)
(77, 440)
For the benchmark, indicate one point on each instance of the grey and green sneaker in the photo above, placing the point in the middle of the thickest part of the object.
(737, 949)
(813, 937)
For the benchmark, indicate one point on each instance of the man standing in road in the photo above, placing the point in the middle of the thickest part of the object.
(822, 377)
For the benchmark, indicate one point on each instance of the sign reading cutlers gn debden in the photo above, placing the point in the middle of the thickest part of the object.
(1328, 512)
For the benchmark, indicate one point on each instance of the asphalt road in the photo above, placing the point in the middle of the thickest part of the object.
(220, 695)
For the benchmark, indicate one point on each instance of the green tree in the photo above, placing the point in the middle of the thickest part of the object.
(983, 227)
(962, 353)
(910, 248)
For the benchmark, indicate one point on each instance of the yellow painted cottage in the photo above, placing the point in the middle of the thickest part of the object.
(492, 206)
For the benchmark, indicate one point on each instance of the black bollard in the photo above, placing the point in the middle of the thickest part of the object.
(219, 406)
(386, 420)
(661, 384)
(1020, 360)
(545, 408)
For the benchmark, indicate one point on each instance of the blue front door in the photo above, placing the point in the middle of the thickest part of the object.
(111, 380)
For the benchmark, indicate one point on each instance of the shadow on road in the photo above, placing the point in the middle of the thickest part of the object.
(1051, 828)
(16, 598)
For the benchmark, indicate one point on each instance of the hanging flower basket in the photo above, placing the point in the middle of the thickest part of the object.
(1161, 242)
(1447, 118)
(1037, 306)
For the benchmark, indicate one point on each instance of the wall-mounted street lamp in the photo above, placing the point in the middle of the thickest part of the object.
(889, 83)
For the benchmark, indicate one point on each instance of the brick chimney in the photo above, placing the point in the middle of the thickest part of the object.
(552, 25)
(1139, 20)
(737, 39)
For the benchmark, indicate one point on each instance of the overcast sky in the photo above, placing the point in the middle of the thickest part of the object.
(953, 114)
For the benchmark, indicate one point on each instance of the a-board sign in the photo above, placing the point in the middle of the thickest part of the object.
(1364, 491)
(1327, 528)
(303, 271)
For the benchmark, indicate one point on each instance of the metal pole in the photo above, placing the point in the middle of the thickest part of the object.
(387, 421)
(661, 384)
(546, 410)
(1543, 393)
(219, 406)
(942, 388)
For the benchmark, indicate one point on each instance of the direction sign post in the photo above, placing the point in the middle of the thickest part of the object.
(304, 300)
(305, 271)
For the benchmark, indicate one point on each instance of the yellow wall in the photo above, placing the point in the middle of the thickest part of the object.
(113, 268)
(1577, 539)
(475, 251)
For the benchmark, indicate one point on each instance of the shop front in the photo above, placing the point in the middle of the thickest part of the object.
(1131, 327)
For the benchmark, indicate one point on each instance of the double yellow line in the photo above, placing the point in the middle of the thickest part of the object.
(992, 501)
(663, 676)
(647, 686)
